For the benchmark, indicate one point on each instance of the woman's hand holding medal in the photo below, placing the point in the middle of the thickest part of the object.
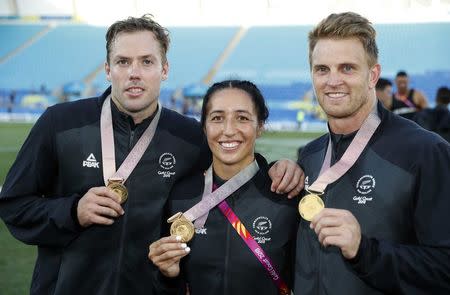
(99, 205)
(166, 254)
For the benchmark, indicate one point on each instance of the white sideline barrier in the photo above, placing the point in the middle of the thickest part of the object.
(270, 125)
(18, 117)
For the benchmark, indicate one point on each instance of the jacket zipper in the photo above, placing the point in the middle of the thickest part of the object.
(319, 275)
(121, 242)
(325, 201)
(130, 142)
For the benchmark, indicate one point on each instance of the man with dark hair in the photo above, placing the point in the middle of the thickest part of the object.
(375, 209)
(437, 119)
(406, 102)
(443, 97)
(90, 184)
(442, 113)
(384, 92)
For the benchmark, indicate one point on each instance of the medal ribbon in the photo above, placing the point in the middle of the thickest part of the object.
(108, 153)
(329, 174)
(210, 200)
(256, 249)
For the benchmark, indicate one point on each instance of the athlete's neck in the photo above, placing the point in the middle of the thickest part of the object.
(401, 93)
(353, 122)
(138, 116)
(225, 171)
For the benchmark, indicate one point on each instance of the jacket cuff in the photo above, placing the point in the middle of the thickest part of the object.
(166, 285)
(74, 214)
(63, 213)
(366, 252)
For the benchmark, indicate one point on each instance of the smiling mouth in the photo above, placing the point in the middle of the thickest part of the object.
(229, 145)
(135, 90)
(336, 94)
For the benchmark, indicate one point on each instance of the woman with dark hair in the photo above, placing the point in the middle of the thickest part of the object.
(244, 233)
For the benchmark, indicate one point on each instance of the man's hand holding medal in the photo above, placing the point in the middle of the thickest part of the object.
(100, 205)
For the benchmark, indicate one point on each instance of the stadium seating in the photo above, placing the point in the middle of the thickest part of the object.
(276, 58)
(270, 55)
(192, 52)
(415, 48)
(66, 53)
(13, 36)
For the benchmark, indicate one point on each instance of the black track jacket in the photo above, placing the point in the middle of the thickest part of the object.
(59, 162)
(399, 192)
(220, 262)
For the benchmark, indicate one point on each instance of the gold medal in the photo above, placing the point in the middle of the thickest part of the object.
(117, 187)
(181, 227)
(310, 205)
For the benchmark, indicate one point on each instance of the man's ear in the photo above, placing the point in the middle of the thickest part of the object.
(107, 71)
(165, 71)
(375, 73)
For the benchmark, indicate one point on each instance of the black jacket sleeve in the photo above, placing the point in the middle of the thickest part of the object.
(168, 286)
(422, 267)
(27, 206)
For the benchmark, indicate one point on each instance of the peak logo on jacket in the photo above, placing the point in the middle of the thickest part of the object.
(201, 231)
(167, 162)
(364, 186)
(262, 226)
(91, 162)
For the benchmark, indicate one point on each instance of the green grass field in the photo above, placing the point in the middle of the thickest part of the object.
(17, 259)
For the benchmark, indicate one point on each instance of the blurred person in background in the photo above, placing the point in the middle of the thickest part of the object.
(249, 224)
(443, 98)
(376, 200)
(406, 102)
(91, 181)
(384, 92)
(437, 119)
(11, 101)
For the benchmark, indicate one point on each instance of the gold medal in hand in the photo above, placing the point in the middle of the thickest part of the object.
(310, 205)
(116, 186)
(181, 227)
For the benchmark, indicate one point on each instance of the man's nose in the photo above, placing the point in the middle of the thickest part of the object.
(334, 78)
(135, 71)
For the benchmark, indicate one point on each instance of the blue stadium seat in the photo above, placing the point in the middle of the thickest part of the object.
(66, 53)
(276, 58)
(13, 36)
(270, 55)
